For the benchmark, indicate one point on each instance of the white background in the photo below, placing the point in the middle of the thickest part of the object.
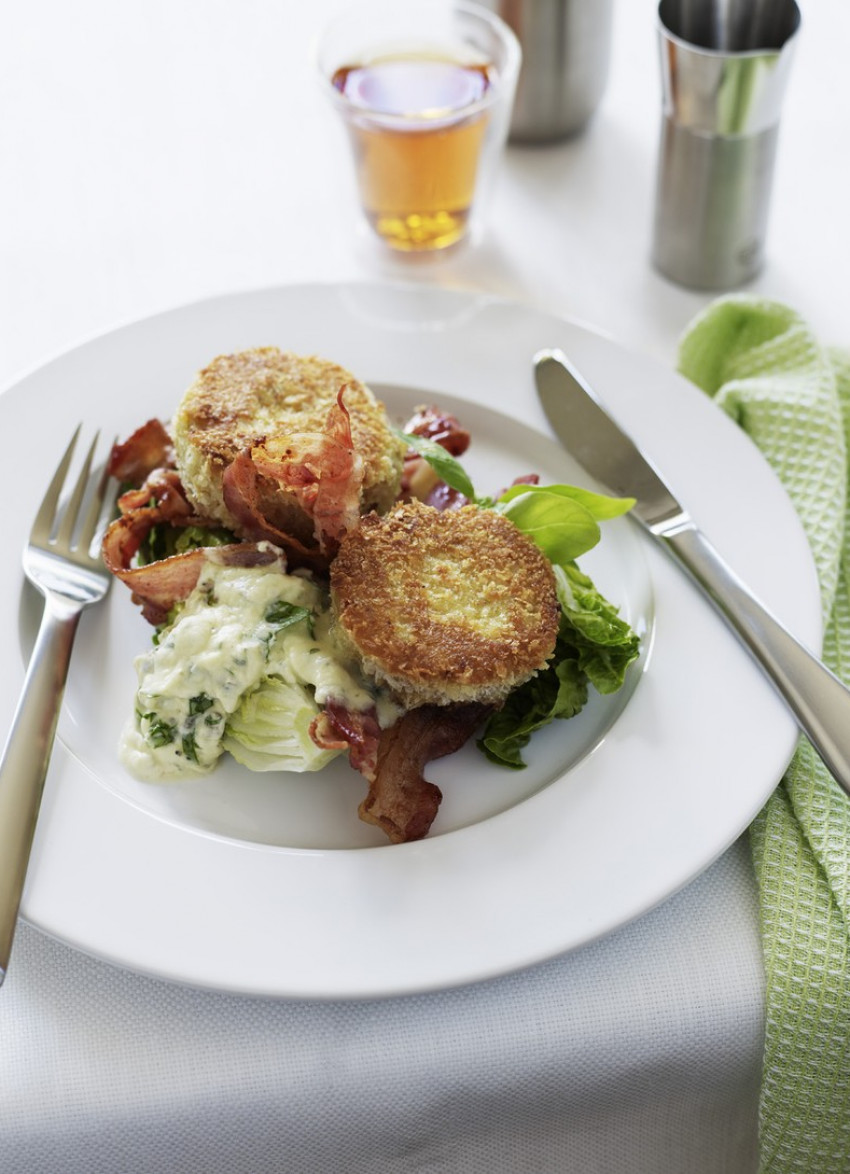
(157, 152)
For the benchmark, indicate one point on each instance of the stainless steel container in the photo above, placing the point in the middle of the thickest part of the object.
(724, 69)
(565, 59)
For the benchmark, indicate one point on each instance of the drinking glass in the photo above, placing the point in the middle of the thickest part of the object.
(425, 90)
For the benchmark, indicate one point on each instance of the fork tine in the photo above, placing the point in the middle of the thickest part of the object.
(43, 523)
(93, 517)
(72, 510)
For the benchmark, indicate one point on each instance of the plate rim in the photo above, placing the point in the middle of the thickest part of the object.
(480, 304)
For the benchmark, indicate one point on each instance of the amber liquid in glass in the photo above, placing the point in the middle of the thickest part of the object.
(416, 178)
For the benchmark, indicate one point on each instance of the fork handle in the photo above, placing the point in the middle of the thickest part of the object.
(818, 699)
(23, 767)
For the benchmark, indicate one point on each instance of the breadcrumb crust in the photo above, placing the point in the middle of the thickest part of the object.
(240, 399)
(445, 606)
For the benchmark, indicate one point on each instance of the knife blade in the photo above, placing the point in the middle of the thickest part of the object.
(817, 698)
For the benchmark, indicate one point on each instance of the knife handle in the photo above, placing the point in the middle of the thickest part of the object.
(816, 697)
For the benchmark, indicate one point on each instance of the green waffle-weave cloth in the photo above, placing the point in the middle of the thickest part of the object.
(763, 365)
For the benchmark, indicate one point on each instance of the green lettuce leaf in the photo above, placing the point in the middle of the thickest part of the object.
(598, 505)
(165, 540)
(560, 690)
(561, 526)
(271, 729)
(604, 643)
(562, 519)
(595, 646)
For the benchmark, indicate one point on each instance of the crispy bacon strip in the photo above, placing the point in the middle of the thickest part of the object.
(148, 448)
(240, 493)
(163, 491)
(400, 800)
(159, 499)
(357, 731)
(322, 470)
(159, 585)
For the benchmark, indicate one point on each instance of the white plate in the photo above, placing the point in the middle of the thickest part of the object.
(271, 885)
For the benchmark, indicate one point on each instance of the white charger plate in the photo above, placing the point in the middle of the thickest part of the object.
(270, 884)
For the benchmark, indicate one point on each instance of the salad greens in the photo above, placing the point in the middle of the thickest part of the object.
(447, 467)
(273, 663)
(595, 645)
(164, 540)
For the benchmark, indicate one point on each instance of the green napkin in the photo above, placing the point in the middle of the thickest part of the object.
(763, 366)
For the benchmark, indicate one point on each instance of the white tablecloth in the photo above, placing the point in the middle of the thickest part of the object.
(641, 1052)
(159, 152)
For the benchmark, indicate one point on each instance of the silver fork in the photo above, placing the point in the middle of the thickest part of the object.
(59, 562)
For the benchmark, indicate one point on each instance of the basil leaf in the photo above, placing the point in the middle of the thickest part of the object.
(447, 467)
(561, 526)
(598, 505)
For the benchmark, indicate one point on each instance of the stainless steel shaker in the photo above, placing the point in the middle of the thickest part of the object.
(724, 69)
(566, 48)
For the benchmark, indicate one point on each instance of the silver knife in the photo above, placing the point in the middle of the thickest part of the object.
(816, 697)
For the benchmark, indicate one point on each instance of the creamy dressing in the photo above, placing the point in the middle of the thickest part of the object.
(239, 627)
(307, 655)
